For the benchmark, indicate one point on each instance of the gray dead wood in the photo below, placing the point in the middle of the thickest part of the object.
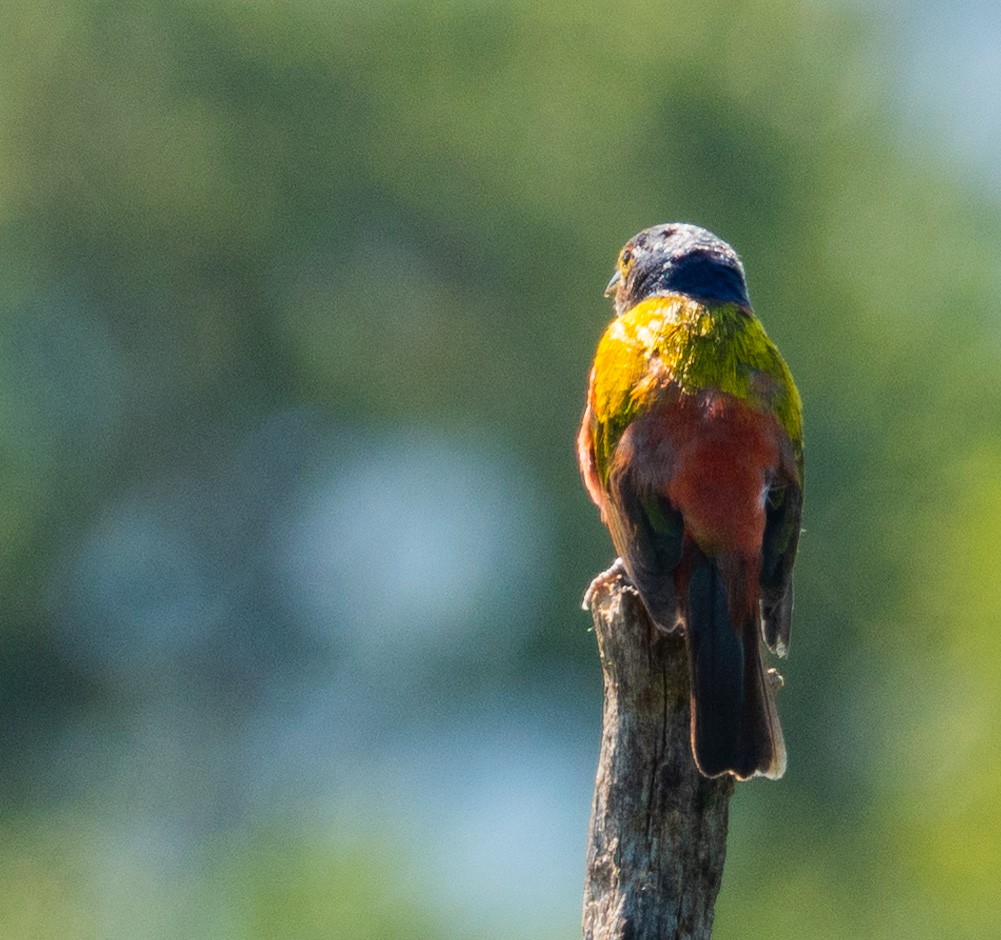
(658, 827)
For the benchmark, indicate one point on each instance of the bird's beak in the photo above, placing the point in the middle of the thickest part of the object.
(611, 286)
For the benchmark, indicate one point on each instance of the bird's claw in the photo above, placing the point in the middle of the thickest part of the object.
(615, 572)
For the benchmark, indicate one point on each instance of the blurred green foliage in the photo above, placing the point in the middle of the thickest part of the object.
(289, 884)
(400, 215)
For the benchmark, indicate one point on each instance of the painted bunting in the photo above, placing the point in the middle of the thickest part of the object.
(692, 448)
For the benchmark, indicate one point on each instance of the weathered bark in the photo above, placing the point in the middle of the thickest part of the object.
(658, 827)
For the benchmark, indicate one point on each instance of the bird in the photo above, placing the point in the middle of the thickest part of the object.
(691, 446)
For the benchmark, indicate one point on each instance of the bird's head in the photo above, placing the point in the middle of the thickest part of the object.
(676, 258)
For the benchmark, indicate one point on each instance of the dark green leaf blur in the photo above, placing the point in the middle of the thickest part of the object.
(297, 303)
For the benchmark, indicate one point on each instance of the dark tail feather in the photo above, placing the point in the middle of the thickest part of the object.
(735, 728)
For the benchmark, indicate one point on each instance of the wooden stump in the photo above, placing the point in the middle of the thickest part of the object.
(658, 827)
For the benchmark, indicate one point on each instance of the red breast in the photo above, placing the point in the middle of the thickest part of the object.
(723, 456)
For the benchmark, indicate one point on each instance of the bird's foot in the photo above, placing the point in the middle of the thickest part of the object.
(603, 581)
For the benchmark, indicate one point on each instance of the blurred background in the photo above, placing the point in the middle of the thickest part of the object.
(297, 303)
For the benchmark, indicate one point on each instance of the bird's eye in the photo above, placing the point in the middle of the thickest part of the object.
(625, 261)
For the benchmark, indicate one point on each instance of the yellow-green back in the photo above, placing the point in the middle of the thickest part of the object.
(675, 344)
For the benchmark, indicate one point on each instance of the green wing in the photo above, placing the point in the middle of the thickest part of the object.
(648, 533)
(783, 514)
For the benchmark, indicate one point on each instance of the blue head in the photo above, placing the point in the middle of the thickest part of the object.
(677, 258)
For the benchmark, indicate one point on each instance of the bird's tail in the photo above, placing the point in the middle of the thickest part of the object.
(735, 727)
